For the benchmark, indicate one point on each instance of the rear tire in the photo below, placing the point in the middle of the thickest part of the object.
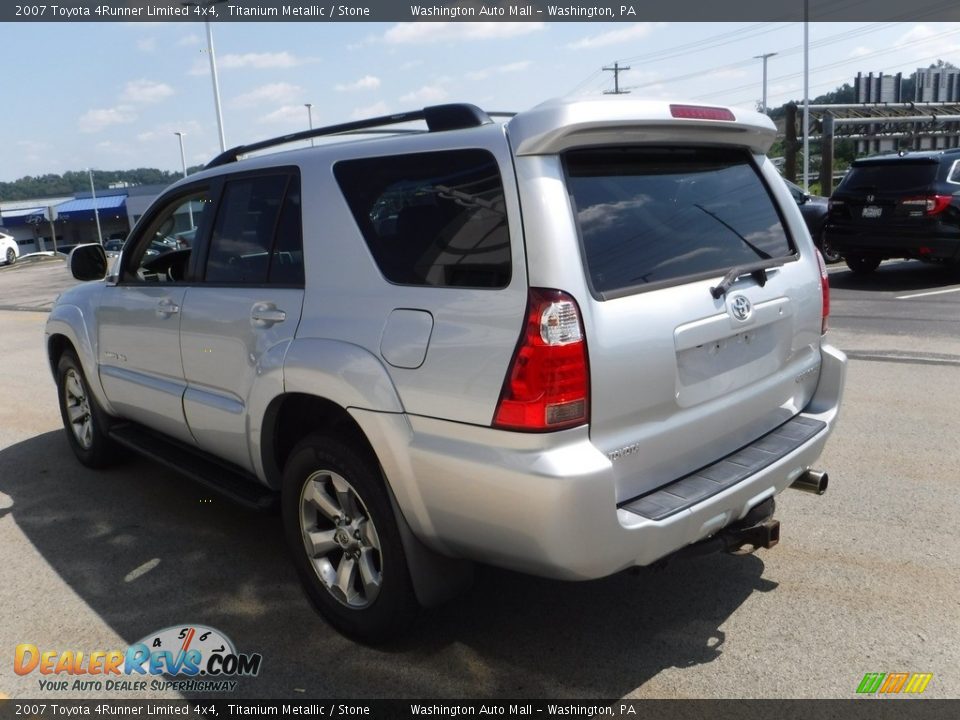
(84, 421)
(862, 265)
(343, 536)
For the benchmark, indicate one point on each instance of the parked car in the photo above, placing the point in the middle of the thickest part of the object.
(903, 205)
(9, 250)
(579, 340)
(814, 211)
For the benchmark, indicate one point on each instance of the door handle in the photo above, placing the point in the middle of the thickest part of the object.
(266, 315)
(167, 307)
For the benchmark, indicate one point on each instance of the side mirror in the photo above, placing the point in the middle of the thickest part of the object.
(803, 199)
(88, 262)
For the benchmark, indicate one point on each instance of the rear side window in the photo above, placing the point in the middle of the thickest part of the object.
(898, 176)
(650, 216)
(434, 219)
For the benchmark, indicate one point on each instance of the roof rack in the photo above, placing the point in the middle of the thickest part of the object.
(439, 118)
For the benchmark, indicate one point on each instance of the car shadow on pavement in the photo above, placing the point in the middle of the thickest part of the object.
(146, 549)
(903, 276)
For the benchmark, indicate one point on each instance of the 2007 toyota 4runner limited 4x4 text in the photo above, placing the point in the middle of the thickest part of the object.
(568, 342)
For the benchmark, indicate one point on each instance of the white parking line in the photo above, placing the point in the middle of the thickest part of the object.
(925, 294)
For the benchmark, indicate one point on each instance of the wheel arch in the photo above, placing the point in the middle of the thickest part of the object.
(291, 417)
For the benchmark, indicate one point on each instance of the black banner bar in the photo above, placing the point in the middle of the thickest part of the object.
(871, 708)
(477, 11)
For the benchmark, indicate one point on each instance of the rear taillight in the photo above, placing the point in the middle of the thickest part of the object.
(927, 204)
(835, 204)
(701, 112)
(548, 383)
(824, 292)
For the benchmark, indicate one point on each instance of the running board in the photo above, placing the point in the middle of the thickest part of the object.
(726, 472)
(232, 482)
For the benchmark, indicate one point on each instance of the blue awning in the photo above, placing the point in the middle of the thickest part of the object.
(23, 216)
(82, 209)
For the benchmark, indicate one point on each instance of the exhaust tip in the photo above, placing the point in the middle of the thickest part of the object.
(812, 481)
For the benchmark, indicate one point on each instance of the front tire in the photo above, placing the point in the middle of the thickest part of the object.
(11, 256)
(862, 265)
(343, 536)
(84, 421)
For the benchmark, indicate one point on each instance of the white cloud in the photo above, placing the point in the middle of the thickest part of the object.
(499, 70)
(378, 108)
(34, 146)
(635, 31)
(432, 32)
(273, 94)
(860, 51)
(932, 41)
(147, 45)
(367, 82)
(166, 132)
(145, 92)
(426, 94)
(287, 115)
(256, 61)
(188, 40)
(100, 118)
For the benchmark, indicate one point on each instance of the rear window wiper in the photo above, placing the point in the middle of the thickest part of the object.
(759, 274)
(760, 253)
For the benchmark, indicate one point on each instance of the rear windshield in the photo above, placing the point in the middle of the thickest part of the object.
(653, 215)
(897, 176)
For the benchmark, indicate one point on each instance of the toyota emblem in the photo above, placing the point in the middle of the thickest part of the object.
(741, 308)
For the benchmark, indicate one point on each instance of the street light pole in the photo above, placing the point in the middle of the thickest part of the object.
(183, 163)
(216, 85)
(96, 213)
(207, 6)
(309, 107)
(764, 57)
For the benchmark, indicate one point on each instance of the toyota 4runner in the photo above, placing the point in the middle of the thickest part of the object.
(573, 341)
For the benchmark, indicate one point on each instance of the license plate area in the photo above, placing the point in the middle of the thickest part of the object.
(871, 211)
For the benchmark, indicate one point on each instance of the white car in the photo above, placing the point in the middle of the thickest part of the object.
(9, 250)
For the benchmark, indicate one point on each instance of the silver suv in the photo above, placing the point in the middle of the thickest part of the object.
(571, 342)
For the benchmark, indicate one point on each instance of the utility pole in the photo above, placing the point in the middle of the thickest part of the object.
(616, 70)
(763, 107)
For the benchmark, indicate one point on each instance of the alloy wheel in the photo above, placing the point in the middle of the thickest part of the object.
(340, 539)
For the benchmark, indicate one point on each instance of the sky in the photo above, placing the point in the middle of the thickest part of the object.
(111, 95)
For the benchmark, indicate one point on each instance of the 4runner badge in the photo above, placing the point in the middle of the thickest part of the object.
(741, 308)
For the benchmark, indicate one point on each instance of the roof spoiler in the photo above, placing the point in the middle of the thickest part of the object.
(439, 118)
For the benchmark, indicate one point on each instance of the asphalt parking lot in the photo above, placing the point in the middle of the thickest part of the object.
(864, 580)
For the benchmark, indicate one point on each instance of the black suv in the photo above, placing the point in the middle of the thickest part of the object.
(897, 206)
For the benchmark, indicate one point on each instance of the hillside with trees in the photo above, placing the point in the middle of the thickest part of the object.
(78, 181)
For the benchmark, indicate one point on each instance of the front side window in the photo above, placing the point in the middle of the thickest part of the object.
(162, 253)
(436, 219)
(654, 215)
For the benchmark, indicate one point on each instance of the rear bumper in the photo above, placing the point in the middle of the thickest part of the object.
(546, 504)
(932, 242)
